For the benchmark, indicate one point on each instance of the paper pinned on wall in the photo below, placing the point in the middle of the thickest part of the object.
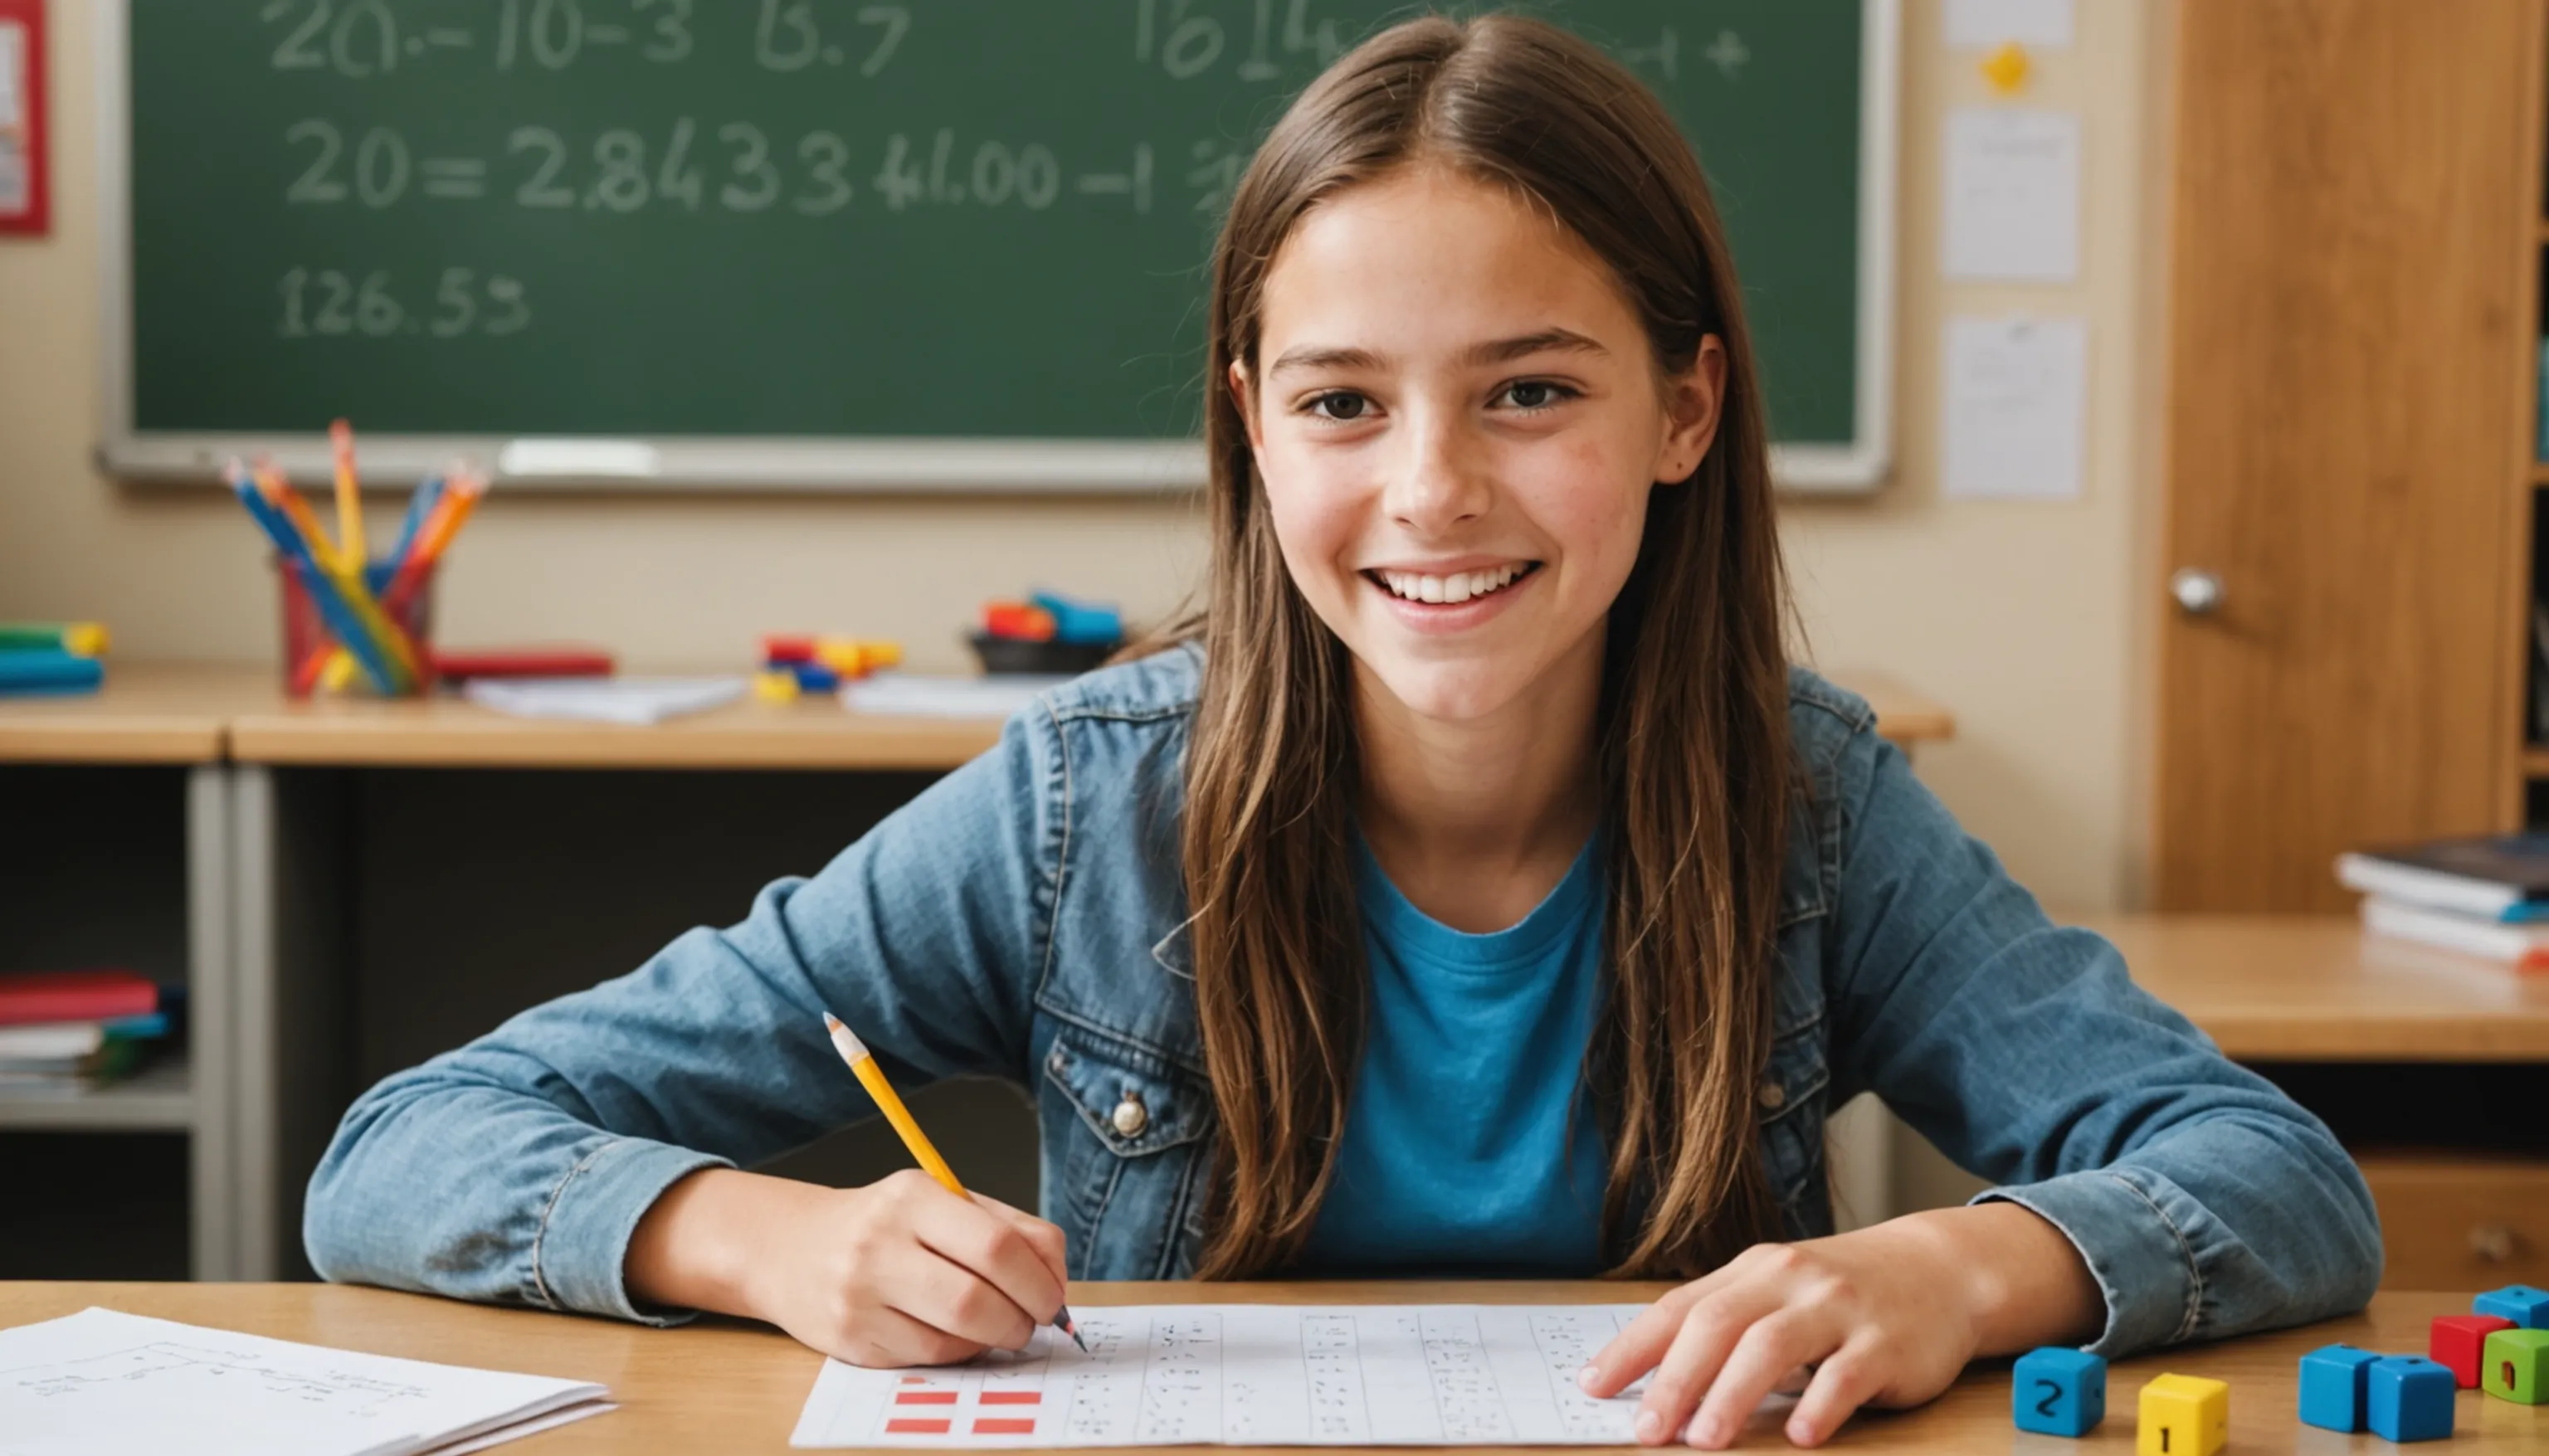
(1980, 25)
(2013, 204)
(2016, 407)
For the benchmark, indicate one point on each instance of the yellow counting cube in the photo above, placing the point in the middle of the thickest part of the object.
(2183, 1415)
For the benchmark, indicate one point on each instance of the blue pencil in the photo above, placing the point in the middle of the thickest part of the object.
(419, 506)
(342, 621)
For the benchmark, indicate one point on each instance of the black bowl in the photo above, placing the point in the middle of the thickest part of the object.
(1009, 654)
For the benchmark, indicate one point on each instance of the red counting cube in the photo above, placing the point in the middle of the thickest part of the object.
(2457, 1343)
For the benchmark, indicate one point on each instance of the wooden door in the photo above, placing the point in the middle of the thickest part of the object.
(2352, 320)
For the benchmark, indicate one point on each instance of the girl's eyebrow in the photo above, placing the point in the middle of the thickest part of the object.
(1493, 351)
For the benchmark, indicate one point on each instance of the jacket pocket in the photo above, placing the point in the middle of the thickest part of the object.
(1789, 1107)
(1124, 1174)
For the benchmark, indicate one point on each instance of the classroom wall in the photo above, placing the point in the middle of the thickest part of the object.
(2025, 618)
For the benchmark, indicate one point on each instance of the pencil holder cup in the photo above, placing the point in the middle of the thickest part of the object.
(308, 642)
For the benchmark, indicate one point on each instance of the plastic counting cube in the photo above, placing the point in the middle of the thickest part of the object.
(2516, 1366)
(2407, 1398)
(2332, 1386)
(2183, 1415)
(2456, 1341)
(2520, 1303)
(2059, 1391)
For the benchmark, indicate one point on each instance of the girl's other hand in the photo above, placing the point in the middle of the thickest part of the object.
(900, 1272)
(1886, 1315)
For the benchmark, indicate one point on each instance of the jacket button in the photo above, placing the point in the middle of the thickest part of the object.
(1131, 1117)
(1773, 1096)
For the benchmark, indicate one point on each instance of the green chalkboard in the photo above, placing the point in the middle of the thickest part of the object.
(960, 221)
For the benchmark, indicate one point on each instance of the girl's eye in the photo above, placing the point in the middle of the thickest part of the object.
(1535, 394)
(1339, 405)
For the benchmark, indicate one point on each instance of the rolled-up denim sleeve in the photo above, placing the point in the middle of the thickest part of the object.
(515, 1169)
(2205, 1202)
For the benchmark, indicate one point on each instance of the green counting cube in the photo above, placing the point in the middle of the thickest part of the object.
(2514, 1366)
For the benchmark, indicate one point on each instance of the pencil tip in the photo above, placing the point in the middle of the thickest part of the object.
(831, 1023)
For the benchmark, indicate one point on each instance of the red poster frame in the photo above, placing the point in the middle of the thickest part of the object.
(37, 219)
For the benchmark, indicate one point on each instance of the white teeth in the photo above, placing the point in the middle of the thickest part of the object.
(1455, 588)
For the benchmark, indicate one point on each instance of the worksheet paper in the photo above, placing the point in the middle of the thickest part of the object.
(1260, 1375)
(101, 1383)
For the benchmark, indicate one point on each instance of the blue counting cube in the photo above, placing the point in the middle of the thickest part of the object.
(2333, 1381)
(2526, 1306)
(2059, 1391)
(2409, 1397)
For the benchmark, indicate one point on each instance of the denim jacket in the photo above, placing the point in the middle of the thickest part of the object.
(1021, 917)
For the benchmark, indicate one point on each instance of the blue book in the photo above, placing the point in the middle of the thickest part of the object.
(46, 670)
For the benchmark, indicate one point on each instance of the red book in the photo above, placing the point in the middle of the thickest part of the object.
(29, 997)
(524, 661)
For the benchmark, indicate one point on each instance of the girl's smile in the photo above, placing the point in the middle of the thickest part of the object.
(1450, 598)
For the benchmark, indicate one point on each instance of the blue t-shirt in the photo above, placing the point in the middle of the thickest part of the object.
(1465, 1148)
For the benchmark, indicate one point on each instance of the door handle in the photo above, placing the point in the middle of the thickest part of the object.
(2197, 593)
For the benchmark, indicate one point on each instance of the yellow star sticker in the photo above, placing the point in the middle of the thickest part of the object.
(2006, 68)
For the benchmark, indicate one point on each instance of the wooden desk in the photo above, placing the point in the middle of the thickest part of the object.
(2316, 988)
(148, 713)
(186, 713)
(727, 1388)
(816, 733)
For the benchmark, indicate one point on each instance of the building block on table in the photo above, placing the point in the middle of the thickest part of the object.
(2183, 1415)
(2456, 1341)
(2516, 1366)
(2526, 1306)
(2409, 1399)
(2059, 1391)
(2333, 1382)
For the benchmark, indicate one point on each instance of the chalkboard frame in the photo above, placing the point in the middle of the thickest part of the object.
(693, 464)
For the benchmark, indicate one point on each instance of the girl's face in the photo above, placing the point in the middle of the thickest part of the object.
(1457, 418)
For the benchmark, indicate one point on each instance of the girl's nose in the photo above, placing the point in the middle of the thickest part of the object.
(1439, 482)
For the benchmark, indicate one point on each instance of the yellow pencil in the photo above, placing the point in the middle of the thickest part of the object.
(863, 1064)
(349, 496)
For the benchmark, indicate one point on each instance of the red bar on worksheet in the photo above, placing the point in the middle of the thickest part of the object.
(1005, 1425)
(914, 1425)
(924, 1398)
(1012, 1398)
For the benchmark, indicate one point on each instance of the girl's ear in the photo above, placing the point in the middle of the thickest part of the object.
(1694, 401)
(1245, 399)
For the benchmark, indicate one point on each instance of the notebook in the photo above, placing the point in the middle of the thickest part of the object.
(104, 1382)
(636, 701)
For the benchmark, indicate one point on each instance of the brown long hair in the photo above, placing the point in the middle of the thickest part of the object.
(1695, 767)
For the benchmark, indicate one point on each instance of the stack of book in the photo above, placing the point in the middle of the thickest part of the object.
(51, 657)
(68, 1032)
(2484, 896)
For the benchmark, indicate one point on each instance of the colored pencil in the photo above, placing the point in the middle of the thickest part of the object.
(450, 514)
(863, 1064)
(349, 493)
(420, 509)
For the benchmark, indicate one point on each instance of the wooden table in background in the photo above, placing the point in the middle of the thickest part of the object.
(2317, 988)
(727, 1388)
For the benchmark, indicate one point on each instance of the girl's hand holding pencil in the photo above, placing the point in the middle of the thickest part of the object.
(900, 1272)
(911, 1270)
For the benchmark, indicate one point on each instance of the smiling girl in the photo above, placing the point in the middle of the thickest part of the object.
(1474, 887)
